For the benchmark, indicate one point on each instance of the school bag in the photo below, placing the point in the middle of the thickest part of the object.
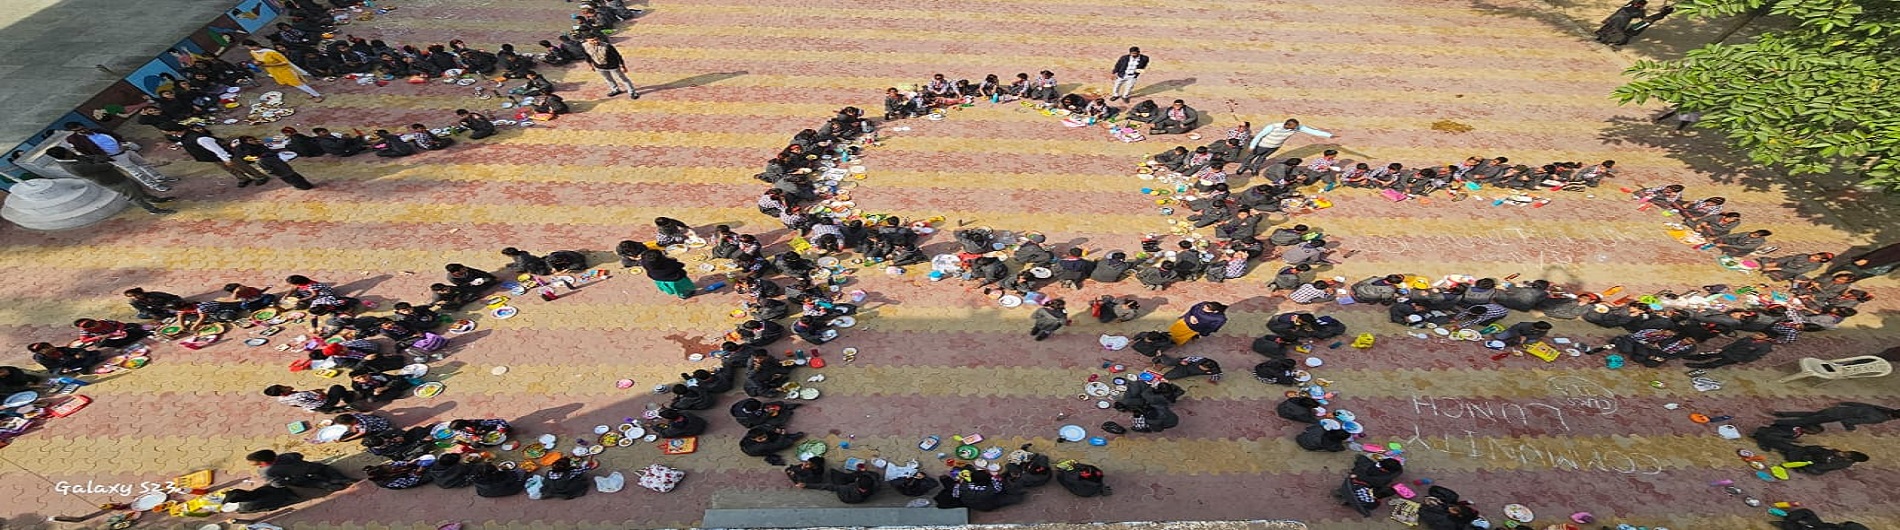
(660, 478)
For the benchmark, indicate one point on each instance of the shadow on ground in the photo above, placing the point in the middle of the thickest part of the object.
(1831, 200)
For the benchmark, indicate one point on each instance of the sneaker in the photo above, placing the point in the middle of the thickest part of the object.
(635, 95)
(162, 199)
(161, 188)
(244, 183)
(164, 211)
(615, 92)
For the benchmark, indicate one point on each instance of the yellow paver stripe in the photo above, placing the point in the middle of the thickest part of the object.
(1636, 455)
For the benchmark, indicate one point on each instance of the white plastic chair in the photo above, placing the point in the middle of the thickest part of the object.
(1845, 368)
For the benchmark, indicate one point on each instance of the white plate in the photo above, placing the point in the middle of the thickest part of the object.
(547, 440)
(415, 370)
(635, 432)
(506, 312)
(1072, 433)
(651, 437)
(1010, 300)
(596, 449)
(808, 393)
(844, 322)
(827, 262)
(1314, 362)
(148, 501)
(1103, 404)
(1519, 513)
(850, 351)
(1041, 272)
(499, 370)
(21, 398)
(331, 433)
(1096, 388)
(602, 429)
(625, 442)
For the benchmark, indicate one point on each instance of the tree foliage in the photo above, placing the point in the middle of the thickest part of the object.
(1821, 95)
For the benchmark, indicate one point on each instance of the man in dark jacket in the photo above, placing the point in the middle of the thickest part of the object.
(607, 61)
(1126, 69)
(99, 171)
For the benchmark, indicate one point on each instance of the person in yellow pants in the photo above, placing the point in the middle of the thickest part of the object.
(280, 68)
(1203, 319)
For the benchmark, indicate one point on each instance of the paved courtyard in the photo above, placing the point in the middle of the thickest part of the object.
(730, 81)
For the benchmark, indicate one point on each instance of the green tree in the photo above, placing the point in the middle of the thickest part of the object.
(1820, 95)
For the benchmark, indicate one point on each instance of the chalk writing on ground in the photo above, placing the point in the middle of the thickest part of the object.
(1556, 455)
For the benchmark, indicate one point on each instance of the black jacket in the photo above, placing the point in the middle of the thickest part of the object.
(1121, 65)
(451, 474)
(493, 482)
(612, 61)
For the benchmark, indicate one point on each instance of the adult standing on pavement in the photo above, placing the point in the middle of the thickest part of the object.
(1127, 68)
(95, 169)
(203, 147)
(280, 68)
(606, 60)
(271, 162)
(1270, 140)
(124, 154)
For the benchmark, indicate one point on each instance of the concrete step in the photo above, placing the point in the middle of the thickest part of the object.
(855, 516)
(796, 508)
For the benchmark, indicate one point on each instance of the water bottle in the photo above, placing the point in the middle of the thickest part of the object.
(715, 286)
(68, 380)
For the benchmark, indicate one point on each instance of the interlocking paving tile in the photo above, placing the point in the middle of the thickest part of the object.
(736, 79)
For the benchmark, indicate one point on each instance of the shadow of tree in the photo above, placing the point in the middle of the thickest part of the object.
(1670, 38)
(1832, 200)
